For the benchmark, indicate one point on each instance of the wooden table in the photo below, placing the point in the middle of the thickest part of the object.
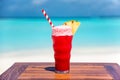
(78, 71)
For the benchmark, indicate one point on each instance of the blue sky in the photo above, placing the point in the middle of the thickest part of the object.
(59, 8)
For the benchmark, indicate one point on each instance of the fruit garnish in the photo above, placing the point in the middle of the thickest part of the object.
(73, 24)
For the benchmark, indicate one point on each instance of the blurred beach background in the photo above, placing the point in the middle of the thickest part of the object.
(25, 35)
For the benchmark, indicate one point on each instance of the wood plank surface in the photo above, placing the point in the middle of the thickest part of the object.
(78, 71)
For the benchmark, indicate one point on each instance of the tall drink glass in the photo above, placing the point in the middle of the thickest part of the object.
(62, 44)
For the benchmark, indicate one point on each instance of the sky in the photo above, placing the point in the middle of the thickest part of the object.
(59, 8)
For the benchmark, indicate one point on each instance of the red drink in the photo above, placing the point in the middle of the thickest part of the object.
(62, 45)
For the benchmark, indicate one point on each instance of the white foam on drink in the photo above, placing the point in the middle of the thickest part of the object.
(62, 30)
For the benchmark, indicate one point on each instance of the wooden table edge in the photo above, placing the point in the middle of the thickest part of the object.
(52, 63)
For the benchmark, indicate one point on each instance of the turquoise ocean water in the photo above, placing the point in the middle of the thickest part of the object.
(35, 33)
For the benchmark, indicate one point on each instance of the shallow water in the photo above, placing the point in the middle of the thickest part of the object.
(19, 34)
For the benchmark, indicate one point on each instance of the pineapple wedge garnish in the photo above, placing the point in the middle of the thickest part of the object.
(73, 24)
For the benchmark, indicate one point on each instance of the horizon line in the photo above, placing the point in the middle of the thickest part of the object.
(62, 17)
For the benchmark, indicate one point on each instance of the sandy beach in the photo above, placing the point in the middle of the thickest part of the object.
(81, 54)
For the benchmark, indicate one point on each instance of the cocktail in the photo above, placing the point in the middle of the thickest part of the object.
(62, 43)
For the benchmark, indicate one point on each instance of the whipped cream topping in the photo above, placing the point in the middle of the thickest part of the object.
(62, 30)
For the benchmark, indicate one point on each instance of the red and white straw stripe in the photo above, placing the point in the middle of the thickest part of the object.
(45, 14)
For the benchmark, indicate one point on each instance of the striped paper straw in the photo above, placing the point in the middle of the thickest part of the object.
(45, 14)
